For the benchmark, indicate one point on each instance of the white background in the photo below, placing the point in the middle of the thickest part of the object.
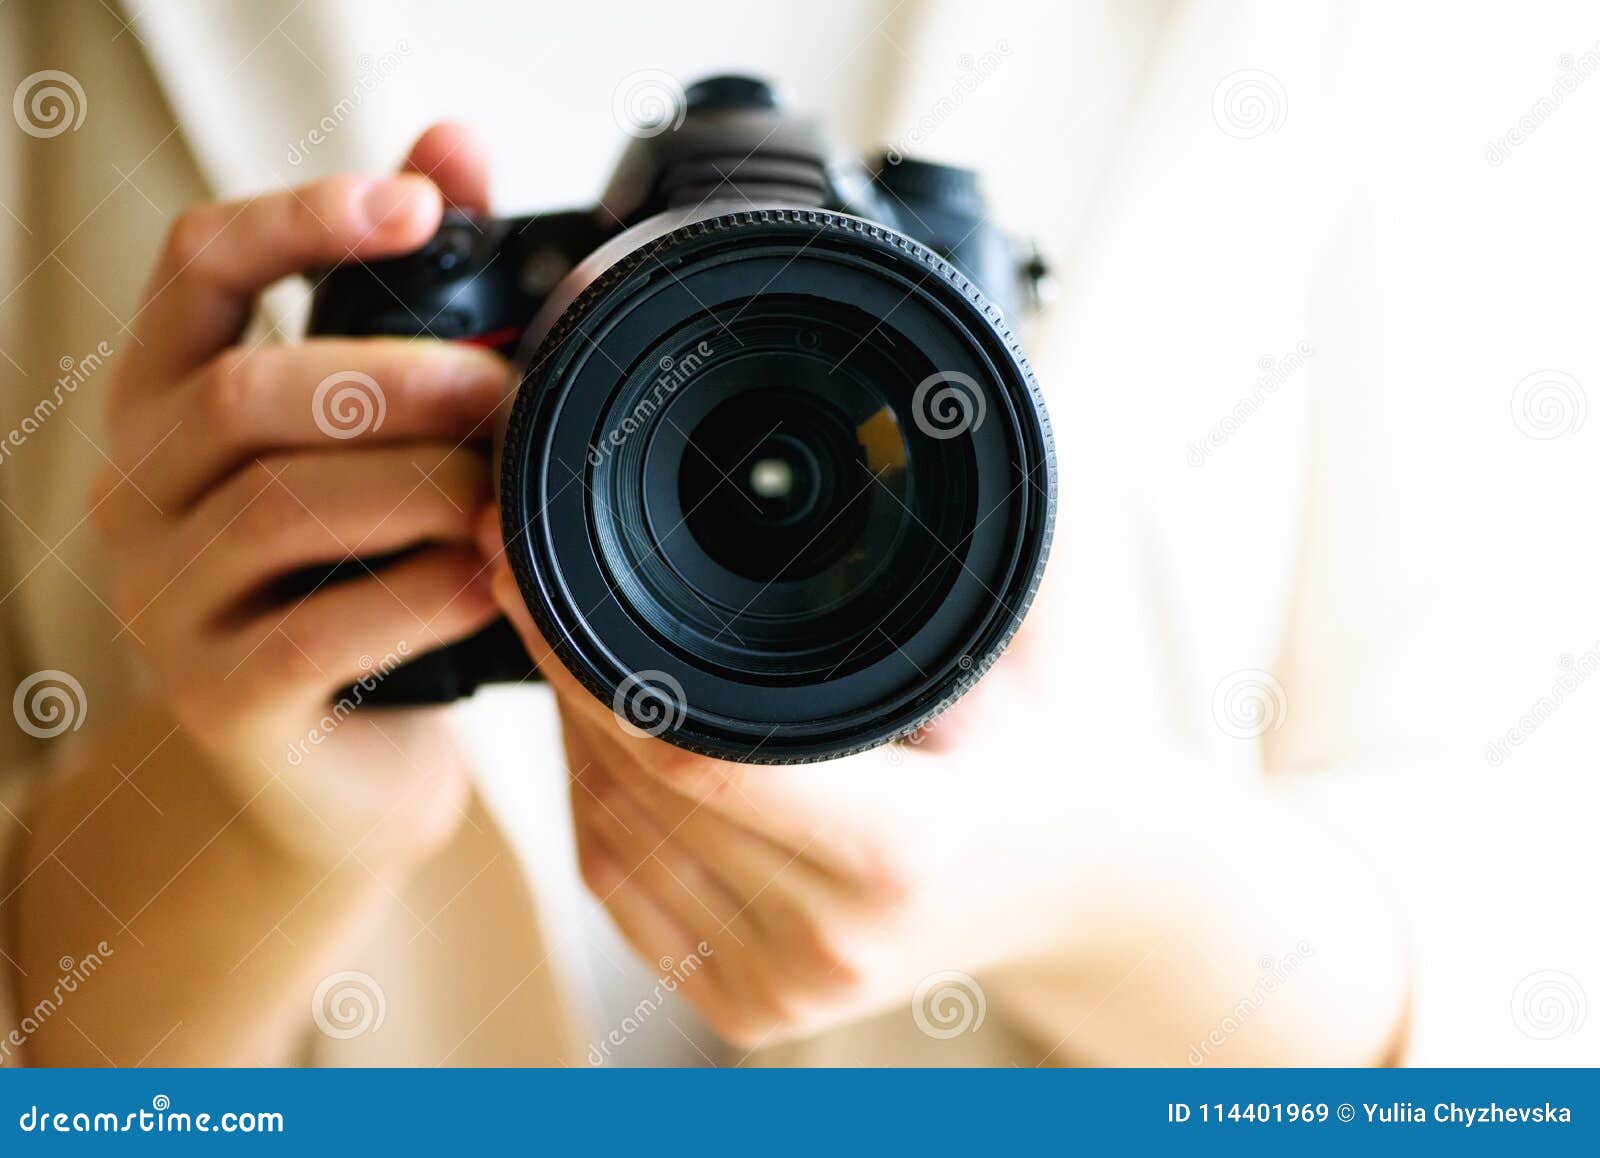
(1534, 257)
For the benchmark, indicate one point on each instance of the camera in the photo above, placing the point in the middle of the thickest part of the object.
(775, 477)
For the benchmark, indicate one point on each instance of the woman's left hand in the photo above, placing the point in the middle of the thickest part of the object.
(805, 895)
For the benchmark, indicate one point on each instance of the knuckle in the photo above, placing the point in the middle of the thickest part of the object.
(884, 883)
(828, 955)
(225, 383)
(703, 777)
(193, 703)
(188, 237)
(284, 659)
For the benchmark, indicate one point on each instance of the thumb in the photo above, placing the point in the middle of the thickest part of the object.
(455, 159)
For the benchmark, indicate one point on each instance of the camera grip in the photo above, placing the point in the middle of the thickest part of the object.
(462, 286)
(492, 655)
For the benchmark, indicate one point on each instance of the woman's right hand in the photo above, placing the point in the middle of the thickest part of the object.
(232, 467)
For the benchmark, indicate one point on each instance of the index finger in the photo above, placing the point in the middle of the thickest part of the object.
(219, 256)
(804, 808)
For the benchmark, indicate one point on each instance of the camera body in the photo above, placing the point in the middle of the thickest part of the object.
(738, 269)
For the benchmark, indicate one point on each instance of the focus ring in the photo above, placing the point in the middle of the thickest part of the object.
(514, 492)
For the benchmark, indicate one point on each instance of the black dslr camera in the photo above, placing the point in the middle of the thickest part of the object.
(776, 481)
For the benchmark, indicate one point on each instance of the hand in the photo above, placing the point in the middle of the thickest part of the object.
(812, 894)
(224, 478)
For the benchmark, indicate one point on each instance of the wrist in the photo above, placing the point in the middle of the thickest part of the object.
(383, 788)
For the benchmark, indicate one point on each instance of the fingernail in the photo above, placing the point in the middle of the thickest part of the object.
(392, 201)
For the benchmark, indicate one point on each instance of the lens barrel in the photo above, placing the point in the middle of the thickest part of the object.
(778, 484)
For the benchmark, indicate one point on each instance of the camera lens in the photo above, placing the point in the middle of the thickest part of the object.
(763, 485)
(784, 467)
(771, 517)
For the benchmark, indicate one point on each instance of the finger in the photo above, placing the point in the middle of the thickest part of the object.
(787, 805)
(652, 931)
(701, 904)
(331, 638)
(286, 513)
(321, 393)
(455, 159)
(219, 256)
(747, 862)
(648, 926)
(572, 694)
(798, 914)
(748, 961)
